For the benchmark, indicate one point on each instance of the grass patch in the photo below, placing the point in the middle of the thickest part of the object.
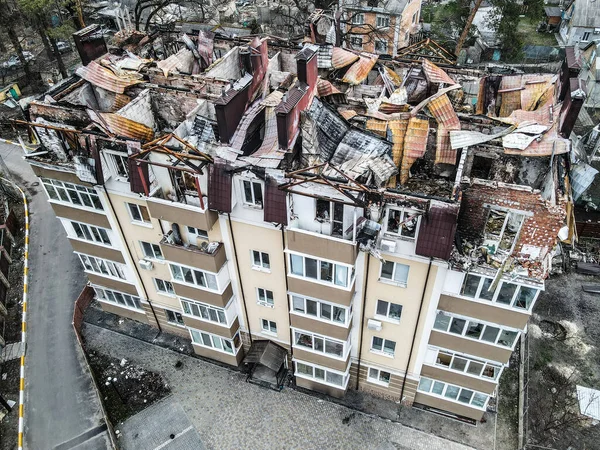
(527, 30)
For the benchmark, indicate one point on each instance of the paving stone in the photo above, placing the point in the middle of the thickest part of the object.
(230, 414)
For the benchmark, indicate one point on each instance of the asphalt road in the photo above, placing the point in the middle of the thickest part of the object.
(61, 409)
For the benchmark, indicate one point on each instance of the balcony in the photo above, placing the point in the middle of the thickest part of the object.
(209, 257)
(187, 210)
(322, 245)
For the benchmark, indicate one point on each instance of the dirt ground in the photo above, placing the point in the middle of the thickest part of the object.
(125, 389)
(564, 351)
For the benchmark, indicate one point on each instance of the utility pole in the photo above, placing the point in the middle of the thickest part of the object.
(465, 31)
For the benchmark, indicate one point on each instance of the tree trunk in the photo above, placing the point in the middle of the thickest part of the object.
(14, 40)
(42, 32)
(61, 65)
(465, 31)
(2, 46)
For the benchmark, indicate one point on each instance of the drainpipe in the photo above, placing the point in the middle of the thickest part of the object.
(287, 298)
(237, 265)
(412, 345)
(132, 258)
(362, 320)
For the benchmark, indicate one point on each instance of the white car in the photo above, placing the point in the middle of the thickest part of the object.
(14, 60)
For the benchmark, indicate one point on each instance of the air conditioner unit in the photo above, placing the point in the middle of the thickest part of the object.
(145, 264)
(373, 324)
(388, 246)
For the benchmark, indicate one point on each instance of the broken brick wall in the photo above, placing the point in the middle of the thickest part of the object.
(538, 230)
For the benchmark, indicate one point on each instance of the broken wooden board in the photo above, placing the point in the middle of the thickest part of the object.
(588, 268)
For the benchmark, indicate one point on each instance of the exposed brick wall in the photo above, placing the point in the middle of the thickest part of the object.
(539, 230)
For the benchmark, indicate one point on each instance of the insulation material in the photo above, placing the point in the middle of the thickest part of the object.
(377, 126)
(116, 125)
(348, 114)
(415, 141)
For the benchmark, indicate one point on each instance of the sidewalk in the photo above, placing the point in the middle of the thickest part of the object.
(229, 413)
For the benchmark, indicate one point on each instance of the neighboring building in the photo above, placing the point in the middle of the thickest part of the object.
(580, 22)
(584, 60)
(281, 222)
(380, 27)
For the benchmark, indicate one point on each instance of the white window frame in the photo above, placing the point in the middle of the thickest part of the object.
(111, 156)
(382, 351)
(110, 296)
(155, 252)
(253, 203)
(262, 266)
(492, 239)
(585, 37)
(139, 211)
(513, 301)
(357, 18)
(469, 320)
(405, 214)
(188, 307)
(415, 18)
(382, 21)
(197, 232)
(262, 297)
(270, 325)
(180, 268)
(345, 375)
(116, 271)
(349, 271)
(69, 191)
(316, 336)
(177, 315)
(469, 359)
(387, 316)
(450, 399)
(166, 291)
(377, 378)
(319, 306)
(393, 280)
(91, 233)
(213, 339)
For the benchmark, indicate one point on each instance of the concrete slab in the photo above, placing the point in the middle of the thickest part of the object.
(163, 426)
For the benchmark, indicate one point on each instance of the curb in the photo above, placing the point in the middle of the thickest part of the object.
(24, 316)
(6, 141)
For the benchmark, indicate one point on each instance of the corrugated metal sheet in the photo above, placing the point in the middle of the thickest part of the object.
(275, 203)
(573, 61)
(219, 187)
(465, 138)
(435, 74)
(342, 58)
(237, 141)
(269, 145)
(377, 126)
(415, 141)
(105, 78)
(360, 70)
(120, 126)
(325, 88)
(444, 113)
(535, 87)
(273, 99)
(324, 57)
(398, 129)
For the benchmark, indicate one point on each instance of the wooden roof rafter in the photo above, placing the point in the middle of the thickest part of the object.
(427, 48)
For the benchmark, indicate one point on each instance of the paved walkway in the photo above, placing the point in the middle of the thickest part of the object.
(229, 413)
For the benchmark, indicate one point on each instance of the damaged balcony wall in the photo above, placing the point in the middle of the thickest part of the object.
(525, 225)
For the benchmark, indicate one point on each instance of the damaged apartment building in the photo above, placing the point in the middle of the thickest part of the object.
(312, 215)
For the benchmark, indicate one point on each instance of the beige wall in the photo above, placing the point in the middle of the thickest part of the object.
(80, 215)
(232, 360)
(182, 215)
(323, 388)
(97, 250)
(455, 408)
(125, 312)
(111, 283)
(409, 297)
(132, 234)
(406, 23)
(470, 347)
(249, 237)
(322, 246)
(48, 172)
(458, 379)
(487, 312)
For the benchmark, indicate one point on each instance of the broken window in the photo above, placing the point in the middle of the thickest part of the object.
(482, 167)
(333, 212)
(118, 164)
(381, 46)
(253, 193)
(402, 222)
(502, 230)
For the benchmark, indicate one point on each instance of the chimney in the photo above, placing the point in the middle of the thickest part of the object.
(230, 107)
(90, 43)
(571, 106)
(306, 65)
(246, 60)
